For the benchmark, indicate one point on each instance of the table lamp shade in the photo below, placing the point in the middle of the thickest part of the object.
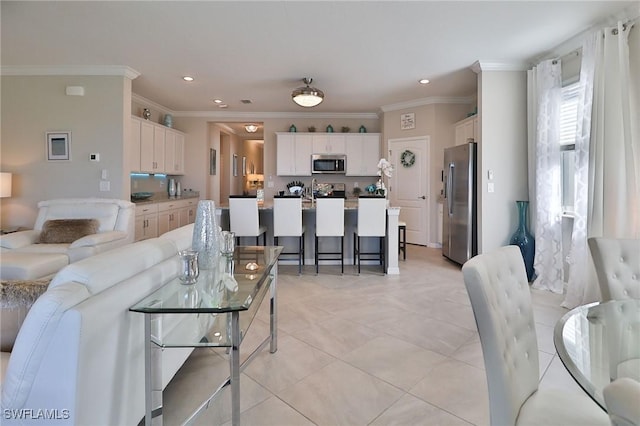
(5, 185)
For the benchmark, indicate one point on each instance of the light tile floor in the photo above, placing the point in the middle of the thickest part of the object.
(363, 350)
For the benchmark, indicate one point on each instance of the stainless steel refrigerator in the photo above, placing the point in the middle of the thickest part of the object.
(459, 234)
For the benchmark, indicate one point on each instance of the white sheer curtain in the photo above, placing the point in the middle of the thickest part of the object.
(607, 180)
(545, 94)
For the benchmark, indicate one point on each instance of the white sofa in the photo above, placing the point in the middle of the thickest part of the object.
(80, 352)
(22, 257)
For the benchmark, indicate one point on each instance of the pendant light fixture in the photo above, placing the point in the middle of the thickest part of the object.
(307, 96)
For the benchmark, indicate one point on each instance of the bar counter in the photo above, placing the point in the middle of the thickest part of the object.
(327, 244)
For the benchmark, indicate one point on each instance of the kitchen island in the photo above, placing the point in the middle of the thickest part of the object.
(309, 221)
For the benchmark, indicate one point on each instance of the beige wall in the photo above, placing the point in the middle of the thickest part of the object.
(502, 102)
(436, 121)
(34, 105)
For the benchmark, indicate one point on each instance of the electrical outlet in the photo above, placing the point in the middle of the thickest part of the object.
(490, 187)
(105, 185)
(356, 185)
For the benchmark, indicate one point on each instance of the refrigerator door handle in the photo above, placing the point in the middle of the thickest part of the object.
(450, 188)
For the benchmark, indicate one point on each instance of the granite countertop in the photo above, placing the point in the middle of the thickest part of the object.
(161, 197)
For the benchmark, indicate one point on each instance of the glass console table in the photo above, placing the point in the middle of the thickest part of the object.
(216, 311)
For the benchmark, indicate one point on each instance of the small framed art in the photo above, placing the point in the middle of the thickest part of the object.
(408, 121)
(212, 161)
(58, 146)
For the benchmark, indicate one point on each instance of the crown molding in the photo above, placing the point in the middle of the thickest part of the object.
(35, 70)
(480, 66)
(427, 101)
(152, 104)
(273, 115)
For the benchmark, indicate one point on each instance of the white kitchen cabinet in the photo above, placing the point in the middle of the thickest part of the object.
(363, 154)
(329, 143)
(187, 213)
(466, 129)
(156, 148)
(293, 154)
(169, 215)
(152, 140)
(134, 147)
(174, 152)
(146, 221)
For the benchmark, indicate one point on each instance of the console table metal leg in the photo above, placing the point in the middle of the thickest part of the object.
(273, 305)
(153, 375)
(234, 361)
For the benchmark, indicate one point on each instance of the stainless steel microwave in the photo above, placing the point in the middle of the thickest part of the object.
(328, 163)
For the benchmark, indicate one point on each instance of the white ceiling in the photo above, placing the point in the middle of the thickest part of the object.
(364, 55)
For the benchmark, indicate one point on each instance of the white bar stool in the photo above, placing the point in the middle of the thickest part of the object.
(287, 222)
(244, 219)
(372, 222)
(330, 223)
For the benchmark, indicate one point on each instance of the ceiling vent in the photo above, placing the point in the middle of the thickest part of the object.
(246, 101)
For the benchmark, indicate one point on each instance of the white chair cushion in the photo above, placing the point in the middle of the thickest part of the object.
(549, 407)
(29, 266)
(622, 398)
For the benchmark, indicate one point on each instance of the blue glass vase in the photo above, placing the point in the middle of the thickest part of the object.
(523, 239)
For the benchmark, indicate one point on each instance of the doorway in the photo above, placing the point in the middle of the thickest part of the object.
(409, 185)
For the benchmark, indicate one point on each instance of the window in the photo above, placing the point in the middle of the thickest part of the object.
(568, 130)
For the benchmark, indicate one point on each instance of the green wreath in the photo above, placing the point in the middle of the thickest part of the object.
(407, 158)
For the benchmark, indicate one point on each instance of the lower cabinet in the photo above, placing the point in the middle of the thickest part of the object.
(153, 220)
(146, 223)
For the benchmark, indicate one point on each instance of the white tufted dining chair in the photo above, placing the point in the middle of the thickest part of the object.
(617, 262)
(499, 293)
(622, 398)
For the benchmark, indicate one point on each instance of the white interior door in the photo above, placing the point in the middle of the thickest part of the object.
(409, 185)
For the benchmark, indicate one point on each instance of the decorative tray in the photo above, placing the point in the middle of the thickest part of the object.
(139, 196)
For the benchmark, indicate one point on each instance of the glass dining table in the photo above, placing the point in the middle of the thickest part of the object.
(599, 343)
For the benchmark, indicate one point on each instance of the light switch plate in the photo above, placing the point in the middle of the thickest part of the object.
(490, 187)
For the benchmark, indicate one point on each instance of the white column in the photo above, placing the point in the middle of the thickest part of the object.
(393, 213)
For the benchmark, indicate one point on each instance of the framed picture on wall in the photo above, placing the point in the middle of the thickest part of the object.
(408, 121)
(58, 146)
(212, 161)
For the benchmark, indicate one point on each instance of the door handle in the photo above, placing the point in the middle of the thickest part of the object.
(423, 197)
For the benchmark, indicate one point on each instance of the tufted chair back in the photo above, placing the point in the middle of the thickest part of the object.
(499, 293)
(617, 263)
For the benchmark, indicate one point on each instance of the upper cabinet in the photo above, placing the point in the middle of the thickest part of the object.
(174, 152)
(466, 129)
(363, 154)
(329, 143)
(293, 156)
(156, 148)
(294, 151)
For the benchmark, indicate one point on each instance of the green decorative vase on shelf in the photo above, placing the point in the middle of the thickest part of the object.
(524, 240)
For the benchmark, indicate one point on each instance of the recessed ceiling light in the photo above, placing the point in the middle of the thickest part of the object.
(218, 101)
(187, 78)
(423, 81)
